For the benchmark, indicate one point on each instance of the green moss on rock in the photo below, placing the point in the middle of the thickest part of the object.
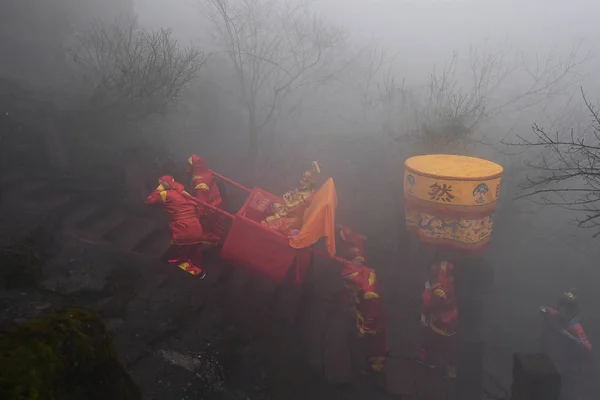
(64, 355)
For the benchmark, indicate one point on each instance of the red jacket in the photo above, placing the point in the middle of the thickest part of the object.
(439, 303)
(352, 245)
(183, 221)
(362, 281)
(204, 185)
(575, 352)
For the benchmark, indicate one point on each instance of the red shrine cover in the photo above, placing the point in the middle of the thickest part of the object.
(260, 249)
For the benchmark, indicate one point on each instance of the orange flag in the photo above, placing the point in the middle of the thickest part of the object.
(319, 219)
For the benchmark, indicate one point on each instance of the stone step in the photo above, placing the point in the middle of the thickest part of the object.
(312, 319)
(90, 218)
(324, 278)
(404, 341)
(470, 368)
(287, 303)
(168, 300)
(58, 204)
(237, 289)
(186, 357)
(80, 212)
(130, 233)
(400, 376)
(30, 188)
(168, 374)
(44, 189)
(155, 244)
(140, 334)
(260, 294)
(103, 221)
(337, 352)
(11, 178)
(430, 384)
(19, 191)
(64, 204)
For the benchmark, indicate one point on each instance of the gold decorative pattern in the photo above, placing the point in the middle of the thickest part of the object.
(450, 199)
(458, 232)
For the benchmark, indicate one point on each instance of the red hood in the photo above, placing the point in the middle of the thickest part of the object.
(197, 164)
(445, 274)
(178, 187)
(448, 269)
(351, 235)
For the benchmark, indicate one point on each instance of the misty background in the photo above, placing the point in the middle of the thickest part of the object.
(393, 79)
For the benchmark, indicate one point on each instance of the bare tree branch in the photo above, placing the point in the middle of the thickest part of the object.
(444, 113)
(569, 169)
(130, 70)
(278, 50)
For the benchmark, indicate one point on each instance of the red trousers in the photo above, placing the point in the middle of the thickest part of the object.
(375, 350)
(187, 257)
(438, 349)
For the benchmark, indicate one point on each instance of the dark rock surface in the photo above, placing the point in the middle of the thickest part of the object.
(230, 336)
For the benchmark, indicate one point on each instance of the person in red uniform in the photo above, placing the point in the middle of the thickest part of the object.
(362, 287)
(361, 281)
(351, 244)
(565, 341)
(205, 188)
(188, 237)
(439, 315)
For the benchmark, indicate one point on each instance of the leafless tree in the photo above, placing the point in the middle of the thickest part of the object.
(131, 71)
(445, 112)
(125, 75)
(374, 69)
(279, 51)
(568, 168)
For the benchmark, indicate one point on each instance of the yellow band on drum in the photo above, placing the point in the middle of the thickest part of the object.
(451, 192)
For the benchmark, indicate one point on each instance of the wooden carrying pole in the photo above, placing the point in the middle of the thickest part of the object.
(234, 183)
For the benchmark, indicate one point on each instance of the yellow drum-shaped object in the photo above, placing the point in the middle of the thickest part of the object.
(450, 199)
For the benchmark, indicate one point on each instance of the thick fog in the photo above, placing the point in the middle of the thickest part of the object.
(366, 110)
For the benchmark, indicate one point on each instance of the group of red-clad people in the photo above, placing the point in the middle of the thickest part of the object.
(189, 237)
(195, 227)
(564, 339)
(439, 310)
(439, 316)
(362, 293)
